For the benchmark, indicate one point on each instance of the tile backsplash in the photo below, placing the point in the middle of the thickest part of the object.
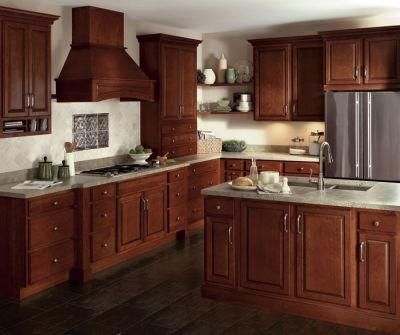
(90, 131)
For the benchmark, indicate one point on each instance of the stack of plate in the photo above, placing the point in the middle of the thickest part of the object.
(243, 102)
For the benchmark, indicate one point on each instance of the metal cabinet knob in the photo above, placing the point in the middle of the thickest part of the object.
(55, 228)
(173, 140)
(105, 245)
(218, 207)
(178, 219)
(104, 193)
(178, 194)
(194, 170)
(173, 129)
(55, 260)
(104, 215)
(55, 203)
(376, 223)
(178, 175)
(300, 169)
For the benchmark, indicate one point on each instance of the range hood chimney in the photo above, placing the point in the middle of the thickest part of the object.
(98, 67)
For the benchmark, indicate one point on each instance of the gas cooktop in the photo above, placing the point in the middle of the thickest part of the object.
(116, 170)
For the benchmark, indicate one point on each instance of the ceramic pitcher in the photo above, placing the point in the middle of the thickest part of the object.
(231, 75)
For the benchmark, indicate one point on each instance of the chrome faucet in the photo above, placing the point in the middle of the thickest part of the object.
(325, 147)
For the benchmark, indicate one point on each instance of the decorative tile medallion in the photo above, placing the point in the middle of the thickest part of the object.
(90, 131)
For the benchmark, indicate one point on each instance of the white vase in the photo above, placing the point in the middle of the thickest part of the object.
(223, 65)
(210, 76)
(70, 160)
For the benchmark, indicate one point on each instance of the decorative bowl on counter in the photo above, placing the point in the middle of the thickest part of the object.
(234, 146)
(140, 158)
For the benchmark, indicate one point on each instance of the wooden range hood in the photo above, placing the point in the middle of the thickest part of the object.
(98, 67)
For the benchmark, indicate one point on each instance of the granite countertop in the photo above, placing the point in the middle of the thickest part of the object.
(85, 181)
(385, 196)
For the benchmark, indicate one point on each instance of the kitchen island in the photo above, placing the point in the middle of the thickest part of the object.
(331, 255)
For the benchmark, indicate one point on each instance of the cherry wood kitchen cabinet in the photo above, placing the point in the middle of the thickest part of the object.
(169, 124)
(264, 245)
(362, 59)
(288, 79)
(26, 70)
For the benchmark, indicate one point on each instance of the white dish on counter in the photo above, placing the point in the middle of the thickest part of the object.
(294, 151)
(242, 188)
(140, 159)
(271, 188)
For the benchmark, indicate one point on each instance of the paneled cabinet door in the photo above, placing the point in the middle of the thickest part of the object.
(15, 69)
(323, 254)
(381, 60)
(308, 82)
(272, 86)
(264, 245)
(377, 272)
(220, 263)
(343, 60)
(40, 70)
(130, 221)
(188, 83)
(170, 83)
(155, 212)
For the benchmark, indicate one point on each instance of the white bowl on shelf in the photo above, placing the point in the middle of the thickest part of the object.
(140, 158)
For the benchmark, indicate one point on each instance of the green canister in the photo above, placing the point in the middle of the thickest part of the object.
(45, 170)
(63, 171)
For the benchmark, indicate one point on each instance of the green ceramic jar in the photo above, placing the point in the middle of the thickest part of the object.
(63, 171)
(45, 170)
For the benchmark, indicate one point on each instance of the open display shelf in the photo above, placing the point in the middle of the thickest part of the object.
(15, 127)
(225, 84)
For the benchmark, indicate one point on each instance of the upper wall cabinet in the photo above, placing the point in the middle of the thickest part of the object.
(26, 72)
(289, 79)
(362, 59)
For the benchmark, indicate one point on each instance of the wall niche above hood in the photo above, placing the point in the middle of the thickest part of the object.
(98, 66)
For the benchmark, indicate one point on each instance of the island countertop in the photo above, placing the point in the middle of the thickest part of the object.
(381, 195)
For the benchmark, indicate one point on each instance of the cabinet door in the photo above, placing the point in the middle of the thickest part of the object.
(40, 70)
(272, 84)
(15, 70)
(264, 245)
(130, 221)
(377, 272)
(343, 59)
(220, 264)
(170, 83)
(381, 60)
(188, 83)
(308, 82)
(155, 213)
(323, 254)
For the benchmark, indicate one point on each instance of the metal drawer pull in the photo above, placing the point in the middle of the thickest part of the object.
(105, 245)
(230, 235)
(362, 250)
(365, 71)
(285, 225)
(104, 215)
(178, 219)
(55, 260)
(218, 207)
(286, 109)
(104, 193)
(356, 72)
(298, 224)
(178, 194)
(178, 175)
(376, 223)
(55, 203)
(32, 100)
(300, 168)
(55, 228)
(194, 170)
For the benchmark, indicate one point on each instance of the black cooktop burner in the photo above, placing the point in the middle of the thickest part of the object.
(112, 171)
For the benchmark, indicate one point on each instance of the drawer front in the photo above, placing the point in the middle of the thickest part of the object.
(195, 210)
(102, 244)
(177, 175)
(203, 181)
(103, 192)
(219, 206)
(51, 228)
(141, 184)
(50, 261)
(234, 164)
(177, 218)
(231, 175)
(301, 168)
(103, 214)
(180, 150)
(178, 128)
(266, 166)
(179, 139)
(51, 203)
(377, 222)
(203, 167)
(177, 194)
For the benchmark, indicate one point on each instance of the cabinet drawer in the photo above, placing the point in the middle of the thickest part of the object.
(102, 244)
(177, 217)
(103, 214)
(141, 184)
(177, 175)
(178, 128)
(231, 175)
(195, 210)
(179, 139)
(103, 192)
(203, 167)
(266, 166)
(180, 150)
(377, 222)
(234, 164)
(50, 261)
(51, 203)
(203, 181)
(177, 194)
(219, 206)
(51, 228)
(301, 168)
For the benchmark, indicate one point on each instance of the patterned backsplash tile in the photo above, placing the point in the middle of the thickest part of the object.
(90, 131)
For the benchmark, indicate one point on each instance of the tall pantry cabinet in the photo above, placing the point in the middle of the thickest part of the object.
(169, 123)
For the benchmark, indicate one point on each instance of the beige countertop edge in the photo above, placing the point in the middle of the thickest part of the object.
(383, 196)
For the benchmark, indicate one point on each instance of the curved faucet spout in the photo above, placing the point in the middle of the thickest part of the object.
(325, 149)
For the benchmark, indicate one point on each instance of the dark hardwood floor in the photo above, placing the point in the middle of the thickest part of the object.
(158, 293)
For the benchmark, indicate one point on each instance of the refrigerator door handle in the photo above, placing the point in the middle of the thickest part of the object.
(369, 137)
(357, 133)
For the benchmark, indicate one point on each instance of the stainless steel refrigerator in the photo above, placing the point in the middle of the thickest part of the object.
(363, 129)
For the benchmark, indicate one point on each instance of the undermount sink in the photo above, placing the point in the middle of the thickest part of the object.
(333, 187)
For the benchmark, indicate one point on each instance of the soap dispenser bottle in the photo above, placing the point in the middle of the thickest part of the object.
(253, 172)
